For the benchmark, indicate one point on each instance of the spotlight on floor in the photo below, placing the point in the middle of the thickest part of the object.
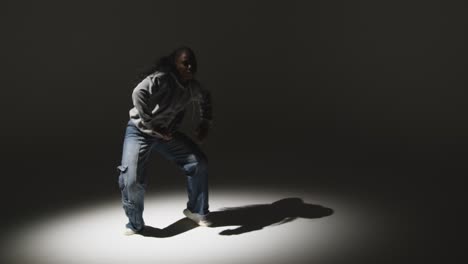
(248, 227)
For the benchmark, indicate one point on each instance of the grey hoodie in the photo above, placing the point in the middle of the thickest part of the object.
(160, 100)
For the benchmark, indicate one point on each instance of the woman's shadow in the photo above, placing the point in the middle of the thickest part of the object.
(248, 218)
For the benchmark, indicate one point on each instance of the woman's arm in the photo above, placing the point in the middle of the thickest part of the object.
(140, 97)
(206, 115)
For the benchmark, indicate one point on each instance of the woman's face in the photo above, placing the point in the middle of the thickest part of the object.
(184, 66)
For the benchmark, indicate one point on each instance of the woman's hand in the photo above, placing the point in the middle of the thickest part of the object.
(167, 137)
(201, 132)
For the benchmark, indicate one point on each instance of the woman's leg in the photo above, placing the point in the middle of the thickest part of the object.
(132, 178)
(193, 162)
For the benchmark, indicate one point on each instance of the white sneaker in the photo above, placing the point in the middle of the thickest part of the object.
(129, 232)
(197, 218)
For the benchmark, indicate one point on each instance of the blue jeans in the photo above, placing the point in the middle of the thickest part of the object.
(137, 149)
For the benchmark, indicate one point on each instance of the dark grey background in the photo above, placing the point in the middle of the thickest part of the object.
(361, 98)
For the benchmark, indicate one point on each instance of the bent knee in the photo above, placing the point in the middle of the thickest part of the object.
(121, 181)
(130, 179)
(194, 163)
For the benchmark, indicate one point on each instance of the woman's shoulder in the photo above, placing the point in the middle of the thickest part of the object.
(158, 79)
(157, 75)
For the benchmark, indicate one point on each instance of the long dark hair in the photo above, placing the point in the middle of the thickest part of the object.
(166, 64)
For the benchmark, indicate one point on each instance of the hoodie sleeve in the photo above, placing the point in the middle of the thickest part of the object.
(140, 97)
(205, 105)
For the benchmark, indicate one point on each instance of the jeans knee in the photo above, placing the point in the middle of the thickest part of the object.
(202, 163)
(121, 181)
(195, 164)
(128, 179)
(133, 185)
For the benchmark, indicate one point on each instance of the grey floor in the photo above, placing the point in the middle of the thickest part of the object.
(249, 226)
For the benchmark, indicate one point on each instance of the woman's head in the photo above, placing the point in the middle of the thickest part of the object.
(182, 62)
(185, 63)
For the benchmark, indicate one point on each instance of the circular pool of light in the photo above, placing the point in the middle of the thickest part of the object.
(93, 234)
